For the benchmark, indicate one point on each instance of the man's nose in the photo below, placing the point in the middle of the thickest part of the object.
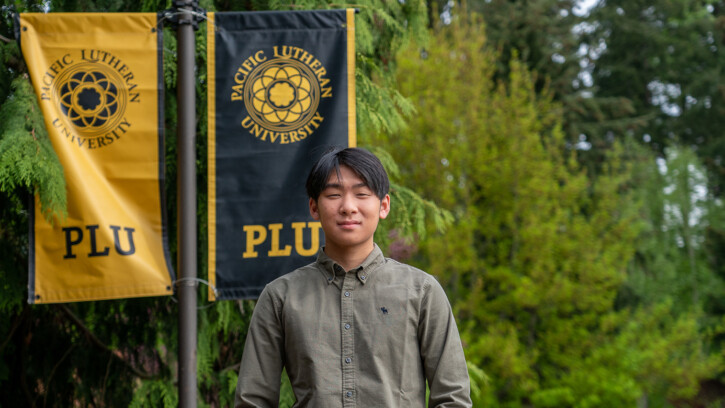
(348, 204)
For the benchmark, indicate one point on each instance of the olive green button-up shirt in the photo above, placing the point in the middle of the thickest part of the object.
(369, 337)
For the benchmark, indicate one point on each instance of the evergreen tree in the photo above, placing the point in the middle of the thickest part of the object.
(667, 59)
(538, 250)
(547, 36)
(677, 211)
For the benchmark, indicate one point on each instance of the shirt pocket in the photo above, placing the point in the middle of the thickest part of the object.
(390, 309)
(386, 323)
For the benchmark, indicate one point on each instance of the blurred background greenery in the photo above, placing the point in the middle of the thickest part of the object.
(556, 164)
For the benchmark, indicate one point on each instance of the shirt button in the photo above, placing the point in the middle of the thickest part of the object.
(362, 277)
(347, 326)
(348, 360)
(348, 394)
(347, 294)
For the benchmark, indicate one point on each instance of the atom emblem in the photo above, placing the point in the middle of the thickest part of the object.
(282, 94)
(90, 99)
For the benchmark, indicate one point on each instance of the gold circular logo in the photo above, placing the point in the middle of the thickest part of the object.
(92, 98)
(281, 94)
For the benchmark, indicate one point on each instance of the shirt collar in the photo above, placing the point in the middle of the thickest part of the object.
(332, 269)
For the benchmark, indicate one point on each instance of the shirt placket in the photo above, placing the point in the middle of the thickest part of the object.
(348, 340)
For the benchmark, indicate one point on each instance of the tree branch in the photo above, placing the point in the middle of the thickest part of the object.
(52, 373)
(23, 369)
(105, 379)
(16, 324)
(234, 367)
(5, 39)
(93, 339)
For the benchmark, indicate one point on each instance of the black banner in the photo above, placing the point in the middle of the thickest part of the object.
(281, 91)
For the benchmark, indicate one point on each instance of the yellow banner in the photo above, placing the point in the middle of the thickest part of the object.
(98, 79)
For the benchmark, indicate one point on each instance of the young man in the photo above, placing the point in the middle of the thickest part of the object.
(353, 329)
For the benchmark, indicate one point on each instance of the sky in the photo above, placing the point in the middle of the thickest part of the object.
(584, 6)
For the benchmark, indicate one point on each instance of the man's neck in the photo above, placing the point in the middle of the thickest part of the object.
(349, 258)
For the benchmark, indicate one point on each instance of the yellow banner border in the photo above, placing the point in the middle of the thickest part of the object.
(211, 151)
(351, 113)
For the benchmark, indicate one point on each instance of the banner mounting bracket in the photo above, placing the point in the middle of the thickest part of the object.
(179, 7)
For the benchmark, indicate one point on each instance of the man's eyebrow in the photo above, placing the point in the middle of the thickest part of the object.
(332, 185)
(338, 185)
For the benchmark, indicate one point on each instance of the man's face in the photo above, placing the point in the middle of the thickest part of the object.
(349, 212)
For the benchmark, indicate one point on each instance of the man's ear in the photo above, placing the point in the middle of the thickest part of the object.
(385, 206)
(314, 212)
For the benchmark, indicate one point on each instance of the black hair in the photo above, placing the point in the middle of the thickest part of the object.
(363, 163)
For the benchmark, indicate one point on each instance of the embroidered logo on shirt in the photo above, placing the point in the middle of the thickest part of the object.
(384, 310)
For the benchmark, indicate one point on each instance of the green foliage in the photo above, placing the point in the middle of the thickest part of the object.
(546, 36)
(157, 393)
(169, 62)
(8, 56)
(539, 250)
(27, 157)
(677, 211)
(644, 355)
(409, 211)
(534, 251)
(479, 383)
(666, 59)
(286, 395)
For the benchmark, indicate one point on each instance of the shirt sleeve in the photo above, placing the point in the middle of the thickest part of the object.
(441, 351)
(262, 360)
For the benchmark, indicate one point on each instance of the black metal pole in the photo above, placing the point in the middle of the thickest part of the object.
(186, 143)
